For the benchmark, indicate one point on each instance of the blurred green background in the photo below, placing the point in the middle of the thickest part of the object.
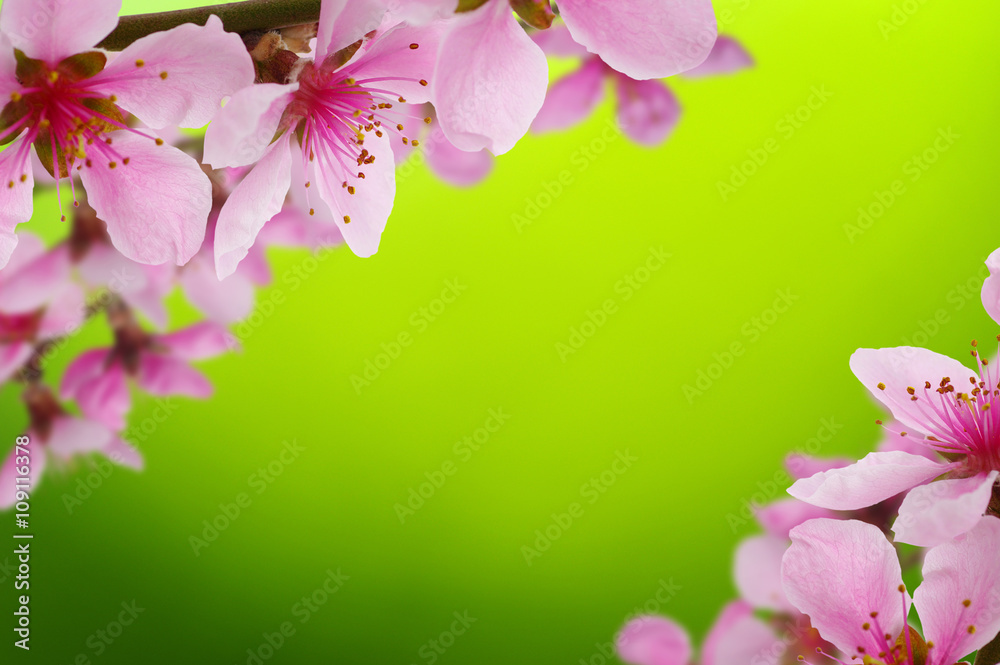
(672, 518)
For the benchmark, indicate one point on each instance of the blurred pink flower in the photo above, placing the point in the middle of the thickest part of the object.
(341, 106)
(846, 577)
(67, 99)
(159, 364)
(647, 110)
(449, 164)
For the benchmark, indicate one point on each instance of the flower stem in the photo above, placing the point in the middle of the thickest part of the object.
(236, 17)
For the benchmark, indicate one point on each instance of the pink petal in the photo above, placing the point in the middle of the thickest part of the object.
(653, 640)
(255, 200)
(296, 228)
(143, 287)
(556, 41)
(12, 358)
(757, 572)
(51, 30)
(343, 22)
(727, 56)
(85, 368)
(648, 111)
(8, 68)
(65, 313)
(838, 572)
(937, 512)
(782, 516)
(193, 90)
(390, 56)
(370, 206)
(120, 452)
(908, 367)
(571, 99)
(223, 301)
(34, 284)
(422, 12)
(9, 475)
(244, 129)
(105, 398)
(991, 287)
(29, 249)
(72, 436)
(644, 39)
(15, 202)
(163, 375)
(490, 80)
(197, 342)
(148, 221)
(456, 167)
(738, 637)
(874, 478)
(955, 573)
(906, 444)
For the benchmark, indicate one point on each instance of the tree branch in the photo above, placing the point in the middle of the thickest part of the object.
(236, 17)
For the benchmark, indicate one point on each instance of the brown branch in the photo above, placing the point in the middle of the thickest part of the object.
(237, 17)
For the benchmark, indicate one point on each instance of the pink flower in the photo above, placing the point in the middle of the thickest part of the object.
(491, 78)
(67, 100)
(38, 302)
(845, 576)
(159, 364)
(341, 114)
(647, 110)
(451, 165)
(59, 436)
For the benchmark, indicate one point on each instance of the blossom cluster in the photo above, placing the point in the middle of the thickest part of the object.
(177, 161)
(825, 580)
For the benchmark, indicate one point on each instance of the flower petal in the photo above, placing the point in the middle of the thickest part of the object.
(15, 200)
(874, 478)
(956, 573)
(223, 301)
(453, 166)
(8, 68)
(9, 474)
(937, 512)
(343, 22)
(908, 367)
(51, 30)
(198, 342)
(653, 640)
(258, 198)
(490, 80)
(557, 42)
(12, 358)
(175, 84)
(571, 99)
(85, 368)
(648, 111)
(148, 220)
(66, 312)
(991, 286)
(243, 131)
(71, 436)
(143, 287)
(838, 572)
(780, 517)
(164, 375)
(32, 286)
(391, 56)
(369, 207)
(757, 572)
(800, 465)
(738, 637)
(644, 39)
(727, 56)
(120, 452)
(105, 398)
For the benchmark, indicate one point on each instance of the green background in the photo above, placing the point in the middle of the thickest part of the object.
(670, 516)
